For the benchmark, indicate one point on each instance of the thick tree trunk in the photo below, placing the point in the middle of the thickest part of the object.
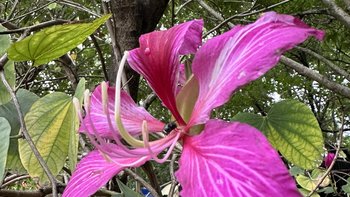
(131, 18)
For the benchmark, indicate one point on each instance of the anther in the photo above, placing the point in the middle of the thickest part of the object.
(169, 127)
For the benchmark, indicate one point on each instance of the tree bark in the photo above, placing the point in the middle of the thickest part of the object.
(131, 18)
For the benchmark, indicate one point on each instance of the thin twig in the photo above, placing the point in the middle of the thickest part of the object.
(24, 78)
(142, 181)
(244, 14)
(100, 55)
(327, 62)
(12, 10)
(182, 6)
(172, 12)
(213, 12)
(29, 140)
(14, 180)
(322, 80)
(28, 13)
(35, 27)
(149, 100)
(3, 61)
(172, 175)
(78, 6)
(340, 140)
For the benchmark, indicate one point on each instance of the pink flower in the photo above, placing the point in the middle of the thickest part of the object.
(218, 158)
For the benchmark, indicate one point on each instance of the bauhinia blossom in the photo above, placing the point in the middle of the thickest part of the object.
(218, 158)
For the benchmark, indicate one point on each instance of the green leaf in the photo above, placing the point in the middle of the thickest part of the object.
(49, 123)
(5, 130)
(5, 41)
(25, 99)
(53, 42)
(79, 92)
(305, 193)
(346, 188)
(254, 120)
(127, 192)
(295, 170)
(291, 128)
(9, 68)
(74, 136)
(309, 183)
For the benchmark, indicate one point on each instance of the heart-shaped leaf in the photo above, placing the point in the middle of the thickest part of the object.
(309, 183)
(25, 99)
(49, 122)
(5, 130)
(53, 42)
(9, 68)
(291, 128)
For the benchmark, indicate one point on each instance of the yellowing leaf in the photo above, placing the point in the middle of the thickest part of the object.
(8, 111)
(49, 122)
(5, 130)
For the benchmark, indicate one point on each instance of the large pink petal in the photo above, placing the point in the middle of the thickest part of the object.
(157, 59)
(232, 159)
(131, 115)
(241, 55)
(93, 171)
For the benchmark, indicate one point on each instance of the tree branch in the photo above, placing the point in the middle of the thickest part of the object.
(340, 89)
(143, 182)
(28, 13)
(27, 137)
(213, 12)
(100, 55)
(244, 14)
(340, 141)
(338, 13)
(327, 62)
(35, 27)
(172, 175)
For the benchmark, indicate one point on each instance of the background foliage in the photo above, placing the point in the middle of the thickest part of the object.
(49, 76)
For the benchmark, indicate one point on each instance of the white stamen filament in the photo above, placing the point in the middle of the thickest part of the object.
(122, 131)
(87, 101)
(104, 97)
(77, 107)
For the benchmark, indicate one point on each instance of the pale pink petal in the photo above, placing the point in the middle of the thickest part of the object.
(157, 59)
(131, 115)
(241, 55)
(93, 171)
(232, 159)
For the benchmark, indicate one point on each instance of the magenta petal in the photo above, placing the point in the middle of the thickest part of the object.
(241, 55)
(157, 59)
(328, 160)
(131, 115)
(93, 171)
(232, 159)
